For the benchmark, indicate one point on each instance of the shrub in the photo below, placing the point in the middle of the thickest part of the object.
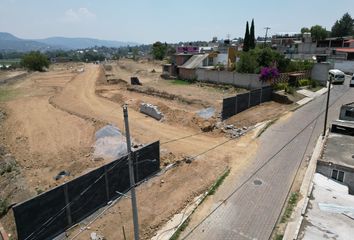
(247, 63)
(4, 207)
(280, 86)
(268, 73)
(314, 84)
(35, 61)
(304, 82)
(289, 89)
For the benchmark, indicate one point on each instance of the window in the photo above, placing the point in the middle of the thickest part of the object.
(349, 113)
(338, 175)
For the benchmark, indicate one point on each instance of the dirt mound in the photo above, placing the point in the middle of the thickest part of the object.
(102, 79)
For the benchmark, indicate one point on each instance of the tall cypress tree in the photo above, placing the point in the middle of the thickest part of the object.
(252, 37)
(246, 40)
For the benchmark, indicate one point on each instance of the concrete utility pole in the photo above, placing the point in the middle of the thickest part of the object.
(131, 175)
(266, 35)
(326, 114)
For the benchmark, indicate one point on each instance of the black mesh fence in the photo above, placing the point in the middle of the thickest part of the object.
(241, 102)
(51, 213)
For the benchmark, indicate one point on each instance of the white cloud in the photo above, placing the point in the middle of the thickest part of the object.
(79, 15)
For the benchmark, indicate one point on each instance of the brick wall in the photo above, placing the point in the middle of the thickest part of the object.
(187, 74)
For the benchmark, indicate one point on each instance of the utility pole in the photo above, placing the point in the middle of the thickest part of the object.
(326, 114)
(266, 35)
(131, 175)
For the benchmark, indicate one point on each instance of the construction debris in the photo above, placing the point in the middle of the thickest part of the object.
(95, 236)
(230, 130)
(61, 174)
(151, 110)
(135, 81)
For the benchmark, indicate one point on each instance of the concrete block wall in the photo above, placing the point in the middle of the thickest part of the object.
(249, 81)
(319, 71)
(345, 66)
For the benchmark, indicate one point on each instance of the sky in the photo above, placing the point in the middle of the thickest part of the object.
(147, 21)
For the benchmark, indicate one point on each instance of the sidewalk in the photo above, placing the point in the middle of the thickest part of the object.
(309, 95)
(293, 226)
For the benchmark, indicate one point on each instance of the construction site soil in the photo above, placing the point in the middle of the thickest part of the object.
(47, 125)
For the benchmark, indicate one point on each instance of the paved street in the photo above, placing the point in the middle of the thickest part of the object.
(252, 211)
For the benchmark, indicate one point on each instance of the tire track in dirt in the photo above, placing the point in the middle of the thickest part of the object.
(158, 200)
(79, 98)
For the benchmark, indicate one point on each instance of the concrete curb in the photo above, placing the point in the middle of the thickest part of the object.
(173, 225)
(169, 229)
(293, 227)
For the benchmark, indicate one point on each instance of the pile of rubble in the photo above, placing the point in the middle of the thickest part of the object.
(230, 130)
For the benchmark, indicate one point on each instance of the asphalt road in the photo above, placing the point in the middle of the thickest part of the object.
(255, 202)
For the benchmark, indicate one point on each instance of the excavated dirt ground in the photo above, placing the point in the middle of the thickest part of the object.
(50, 123)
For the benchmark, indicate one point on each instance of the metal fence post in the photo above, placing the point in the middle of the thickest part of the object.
(236, 102)
(67, 204)
(249, 99)
(106, 182)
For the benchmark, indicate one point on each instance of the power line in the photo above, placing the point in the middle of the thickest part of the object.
(181, 138)
(298, 167)
(260, 168)
(55, 216)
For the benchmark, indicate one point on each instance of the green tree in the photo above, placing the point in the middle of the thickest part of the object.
(135, 53)
(318, 32)
(252, 37)
(159, 50)
(265, 57)
(344, 26)
(304, 30)
(35, 61)
(247, 63)
(246, 40)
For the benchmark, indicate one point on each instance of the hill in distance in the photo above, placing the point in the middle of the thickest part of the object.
(9, 42)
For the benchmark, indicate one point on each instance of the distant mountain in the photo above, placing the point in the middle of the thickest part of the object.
(79, 43)
(9, 42)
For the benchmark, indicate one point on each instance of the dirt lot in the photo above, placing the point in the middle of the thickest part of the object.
(9, 74)
(51, 119)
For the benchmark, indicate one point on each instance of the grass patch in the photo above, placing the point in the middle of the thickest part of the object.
(9, 61)
(211, 191)
(7, 94)
(7, 168)
(180, 229)
(315, 89)
(218, 182)
(4, 206)
(279, 237)
(270, 123)
(290, 207)
(181, 82)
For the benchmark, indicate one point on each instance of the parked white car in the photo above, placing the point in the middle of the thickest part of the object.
(337, 76)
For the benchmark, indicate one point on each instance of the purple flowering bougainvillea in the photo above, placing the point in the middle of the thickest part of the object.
(268, 73)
